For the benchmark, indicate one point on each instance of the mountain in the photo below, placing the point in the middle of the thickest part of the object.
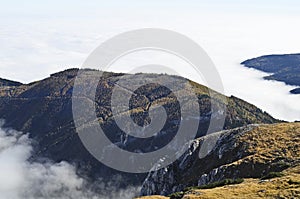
(253, 154)
(284, 68)
(44, 110)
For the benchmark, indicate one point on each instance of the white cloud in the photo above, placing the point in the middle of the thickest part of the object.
(20, 178)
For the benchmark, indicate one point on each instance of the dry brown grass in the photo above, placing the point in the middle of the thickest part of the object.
(266, 143)
(287, 186)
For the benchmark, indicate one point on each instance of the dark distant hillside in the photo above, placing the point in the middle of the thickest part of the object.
(285, 68)
(296, 91)
(44, 109)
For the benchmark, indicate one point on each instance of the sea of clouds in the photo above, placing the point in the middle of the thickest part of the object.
(21, 178)
(33, 47)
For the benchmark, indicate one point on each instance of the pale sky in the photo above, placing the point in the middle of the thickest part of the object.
(41, 37)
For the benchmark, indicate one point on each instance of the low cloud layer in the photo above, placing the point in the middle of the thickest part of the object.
(37, 47)
(20, 178)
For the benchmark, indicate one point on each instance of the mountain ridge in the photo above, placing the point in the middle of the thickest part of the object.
(44, 109)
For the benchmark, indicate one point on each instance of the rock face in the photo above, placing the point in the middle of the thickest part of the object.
(250, 151)
(284, 68)
(44, 109)
(189, 170)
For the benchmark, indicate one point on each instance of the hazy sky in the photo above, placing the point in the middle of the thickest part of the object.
(93, 7)
(41, 37)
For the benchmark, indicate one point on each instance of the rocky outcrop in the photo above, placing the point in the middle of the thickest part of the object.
(250, 151)
(189, 170)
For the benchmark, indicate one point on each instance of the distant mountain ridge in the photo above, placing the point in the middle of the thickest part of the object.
(284, 68)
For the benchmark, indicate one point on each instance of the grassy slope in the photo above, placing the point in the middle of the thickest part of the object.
(287, 186)
(266, 142)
